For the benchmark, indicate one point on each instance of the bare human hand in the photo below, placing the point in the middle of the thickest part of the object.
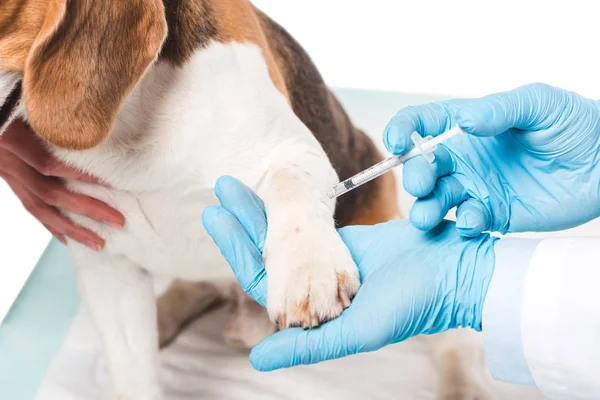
(36, 177)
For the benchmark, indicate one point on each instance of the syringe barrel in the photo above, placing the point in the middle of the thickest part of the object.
(372, 172)
(365, 176)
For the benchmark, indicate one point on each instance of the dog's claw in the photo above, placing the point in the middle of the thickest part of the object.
(311, 322)
(344, 297)
(314, 321)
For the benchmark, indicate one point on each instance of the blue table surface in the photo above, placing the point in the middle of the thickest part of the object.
(33, 330)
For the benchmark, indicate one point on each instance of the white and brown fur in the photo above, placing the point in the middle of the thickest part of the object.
(161, 98)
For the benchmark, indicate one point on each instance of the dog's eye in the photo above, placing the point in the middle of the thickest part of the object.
(9, 106)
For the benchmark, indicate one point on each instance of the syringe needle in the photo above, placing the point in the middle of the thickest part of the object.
(365, 176)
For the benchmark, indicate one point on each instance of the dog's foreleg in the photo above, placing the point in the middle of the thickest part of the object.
(120, 298)
(312, 276)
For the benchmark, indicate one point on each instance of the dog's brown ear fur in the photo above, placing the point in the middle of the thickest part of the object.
(84, 62)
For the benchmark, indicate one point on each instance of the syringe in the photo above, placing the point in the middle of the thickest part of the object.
(423, 146)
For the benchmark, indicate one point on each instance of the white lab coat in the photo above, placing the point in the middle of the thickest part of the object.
(541, 317)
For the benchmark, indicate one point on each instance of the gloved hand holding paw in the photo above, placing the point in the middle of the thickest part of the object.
(413, 282)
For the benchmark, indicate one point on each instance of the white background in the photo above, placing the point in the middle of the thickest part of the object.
(458, 47)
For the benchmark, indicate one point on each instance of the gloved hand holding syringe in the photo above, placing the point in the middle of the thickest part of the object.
(423, 146)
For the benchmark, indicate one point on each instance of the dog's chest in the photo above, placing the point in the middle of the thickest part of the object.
(179, 131)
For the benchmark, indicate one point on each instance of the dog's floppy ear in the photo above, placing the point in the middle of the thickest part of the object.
(86, 59)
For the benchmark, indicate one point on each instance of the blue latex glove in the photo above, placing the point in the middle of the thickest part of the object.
(530, 162)
(413, 282)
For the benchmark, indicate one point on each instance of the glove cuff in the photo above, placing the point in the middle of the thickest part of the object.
(476, 267)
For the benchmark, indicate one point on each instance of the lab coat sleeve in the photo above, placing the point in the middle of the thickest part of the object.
(541, 316)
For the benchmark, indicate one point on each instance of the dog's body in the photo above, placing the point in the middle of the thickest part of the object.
(229, 93)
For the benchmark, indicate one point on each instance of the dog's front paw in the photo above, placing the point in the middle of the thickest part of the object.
(312, 276)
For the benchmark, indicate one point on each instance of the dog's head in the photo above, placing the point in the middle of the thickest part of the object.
(72, 63)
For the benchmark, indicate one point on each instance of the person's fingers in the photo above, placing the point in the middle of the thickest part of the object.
(53, 192)
(245, 205)
(472, 218)
(419, 176)
(59, 196)
(23, 143)
(529, 107)
(429, 211)
(295, 346)
(428, 119)
(52, 218)
(239, 250)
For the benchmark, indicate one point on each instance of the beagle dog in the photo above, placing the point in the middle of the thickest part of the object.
(159, 98)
